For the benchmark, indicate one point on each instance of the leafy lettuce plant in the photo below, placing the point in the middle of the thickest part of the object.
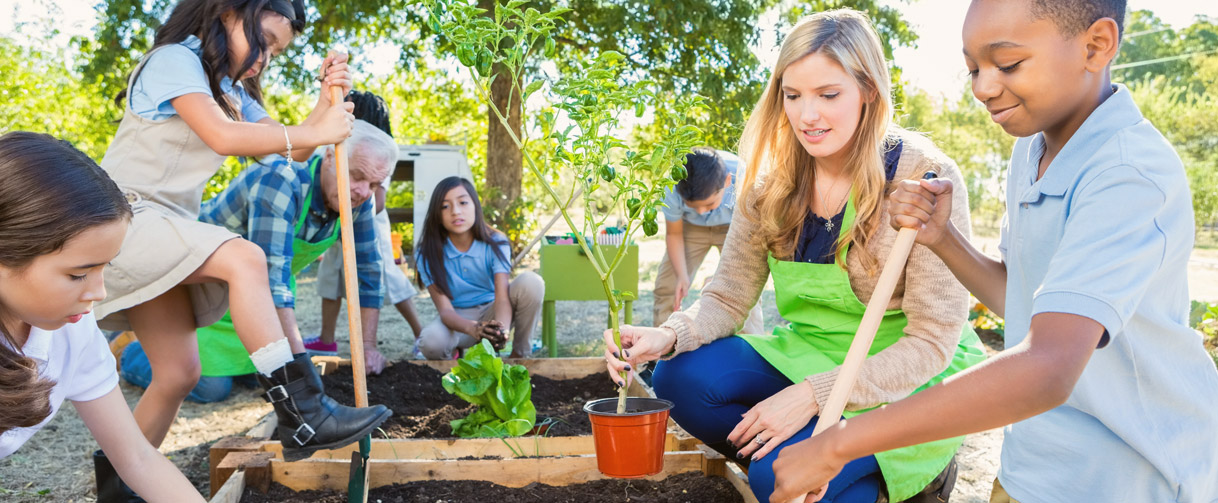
(502, 393)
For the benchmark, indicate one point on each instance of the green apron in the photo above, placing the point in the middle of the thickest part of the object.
(824, 314)
(220, 350)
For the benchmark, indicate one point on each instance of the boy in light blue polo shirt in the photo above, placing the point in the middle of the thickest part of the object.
(696, 215)
(1108, 394)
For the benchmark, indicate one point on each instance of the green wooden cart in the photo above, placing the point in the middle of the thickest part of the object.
(569, 276)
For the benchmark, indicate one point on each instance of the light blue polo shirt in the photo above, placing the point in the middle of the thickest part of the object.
(677, 210)
(1106, 234)
(471, 274)
(176, 70)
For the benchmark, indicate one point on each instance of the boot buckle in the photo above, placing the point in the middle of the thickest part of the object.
(304, 427)
(276, 394)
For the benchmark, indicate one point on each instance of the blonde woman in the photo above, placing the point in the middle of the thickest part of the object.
(821, 153)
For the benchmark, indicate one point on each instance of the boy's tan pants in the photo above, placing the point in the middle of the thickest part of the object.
(698, 240)
(437, 341)
(999, 495)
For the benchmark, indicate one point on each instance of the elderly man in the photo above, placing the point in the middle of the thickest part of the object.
(291, 211)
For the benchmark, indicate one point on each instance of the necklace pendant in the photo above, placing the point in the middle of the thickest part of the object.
(829, 226)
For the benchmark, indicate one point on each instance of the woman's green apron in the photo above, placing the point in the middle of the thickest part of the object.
(220, 350)
(824, 314)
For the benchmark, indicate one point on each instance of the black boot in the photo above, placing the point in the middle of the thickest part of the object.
(308, 419)
(111, 488)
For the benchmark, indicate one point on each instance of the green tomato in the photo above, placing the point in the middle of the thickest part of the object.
(650, 228)
(678, 173)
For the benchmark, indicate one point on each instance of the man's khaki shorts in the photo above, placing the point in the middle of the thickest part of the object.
(999, 495)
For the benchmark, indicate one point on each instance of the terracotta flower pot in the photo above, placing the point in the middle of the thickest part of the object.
(629, 445)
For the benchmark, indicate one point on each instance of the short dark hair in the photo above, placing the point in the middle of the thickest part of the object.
(372, 109)
(1075, 16)
(706, 173)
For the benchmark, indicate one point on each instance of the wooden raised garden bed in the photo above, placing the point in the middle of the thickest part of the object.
(393, 456)
(259, 470)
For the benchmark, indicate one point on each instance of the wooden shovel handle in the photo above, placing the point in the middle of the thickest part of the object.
(354, 323)
(861, 345)
(836, 404)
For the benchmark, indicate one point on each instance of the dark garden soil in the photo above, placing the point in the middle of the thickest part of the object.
(683, 488)
(422, 409)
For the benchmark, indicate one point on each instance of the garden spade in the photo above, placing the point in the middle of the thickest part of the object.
(357, 486)
(861, 345)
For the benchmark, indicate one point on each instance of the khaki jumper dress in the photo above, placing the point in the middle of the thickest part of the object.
(162, 166)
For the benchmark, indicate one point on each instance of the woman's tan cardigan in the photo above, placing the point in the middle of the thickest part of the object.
(935, 303)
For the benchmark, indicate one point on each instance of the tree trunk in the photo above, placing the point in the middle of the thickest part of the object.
(503, 159)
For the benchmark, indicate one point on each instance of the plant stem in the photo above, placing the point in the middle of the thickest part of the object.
(603, 268)
(485, 93)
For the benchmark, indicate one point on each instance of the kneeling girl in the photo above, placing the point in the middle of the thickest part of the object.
(466, 267)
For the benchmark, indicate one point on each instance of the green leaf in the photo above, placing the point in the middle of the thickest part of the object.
(533, 87)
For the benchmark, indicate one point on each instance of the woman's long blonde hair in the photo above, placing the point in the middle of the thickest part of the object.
(773, 154)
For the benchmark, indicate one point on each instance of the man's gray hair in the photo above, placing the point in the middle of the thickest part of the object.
(374, 143)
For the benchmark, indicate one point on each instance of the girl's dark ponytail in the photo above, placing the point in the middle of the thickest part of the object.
(51, 193)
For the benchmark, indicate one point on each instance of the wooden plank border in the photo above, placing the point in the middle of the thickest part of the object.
(257, 439)
(332, 475)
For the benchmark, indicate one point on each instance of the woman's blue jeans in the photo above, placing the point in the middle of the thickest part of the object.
(714, 385)
(135, 369)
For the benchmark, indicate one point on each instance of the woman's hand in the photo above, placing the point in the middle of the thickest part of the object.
(806, 468)
(925, 205)
(639, 345)
(334, 72)
(774, 420)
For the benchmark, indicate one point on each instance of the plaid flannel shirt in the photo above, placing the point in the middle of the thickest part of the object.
(263, 204)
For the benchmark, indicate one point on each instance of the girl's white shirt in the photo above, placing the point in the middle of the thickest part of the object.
(77, 357)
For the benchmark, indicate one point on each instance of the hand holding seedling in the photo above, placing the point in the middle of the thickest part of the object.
(639, 346)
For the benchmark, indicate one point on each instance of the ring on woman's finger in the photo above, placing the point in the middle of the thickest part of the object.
(759, 441)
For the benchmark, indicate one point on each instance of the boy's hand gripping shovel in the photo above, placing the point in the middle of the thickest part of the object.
(861, 345)
(357, 486)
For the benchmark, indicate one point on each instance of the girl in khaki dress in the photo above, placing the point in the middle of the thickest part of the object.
(185, 114)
